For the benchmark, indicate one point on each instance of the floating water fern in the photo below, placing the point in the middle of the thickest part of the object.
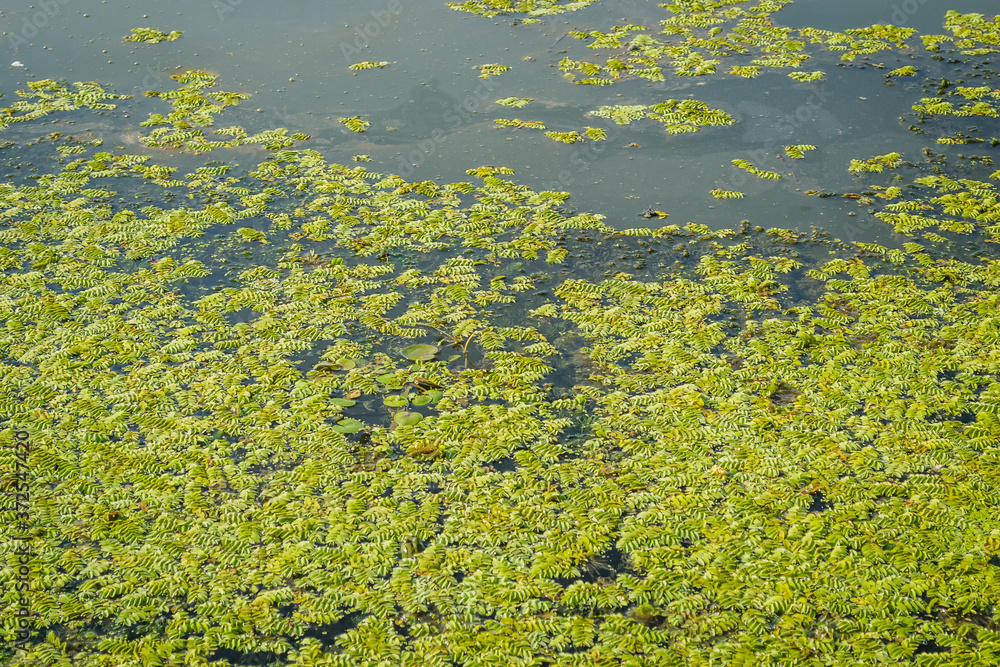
(806, 76)
(191, 109)
(798, 151)
(747, 166)
(355, 123)
(687, 438)
(517, 122)
(876, 164)
(727, 194)
(492, 69)
(745, 71)
(368, 64)
(533, 8)
(152, 35)
(516, 102)
(696, 35)
(621, 114)
(400, 437)
(565, 137)
(48, 96)
(676, 116)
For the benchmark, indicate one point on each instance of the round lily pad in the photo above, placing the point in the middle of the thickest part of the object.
(348, 426)
(419, 352)
(407, 418)
(326, 366)
(422, 399)
(395, 401)
(338, 365)
(344, 402)
(390, 380)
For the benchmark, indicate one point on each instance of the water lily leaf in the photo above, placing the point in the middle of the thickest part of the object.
(395, 401)
(338, 365)
(422, 399)
(407, 418)
(419, 352)
(348, 426)
(343, 402)
(390, 380)
(326, 366)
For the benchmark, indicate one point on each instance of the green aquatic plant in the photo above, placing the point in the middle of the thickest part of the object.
(492, 69)
(369, 64)
(875, 165)
(798, 151)
(806, 76)
(687, 116)
(688, 439)
(400, 434)
(193, 106)
(727, 194)
(152, 35)
(622, 114)
(976, 103)
(419, 352)
(696, 36)
(676, 116)
(565, 137)
(355, 123)
(959, 138)
(745, 71)
(516, 102)
(748, 167)
(960, 206)
(49, 96)
(533, 8)
(974, 34)
(517, 123)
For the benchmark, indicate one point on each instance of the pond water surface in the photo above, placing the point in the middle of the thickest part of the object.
(432, 117)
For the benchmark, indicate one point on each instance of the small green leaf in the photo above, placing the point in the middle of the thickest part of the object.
(395, 401)
(419, 352)
(390, 380)
(344, 402)
(338, 365)
(348, 426)
(407, 418)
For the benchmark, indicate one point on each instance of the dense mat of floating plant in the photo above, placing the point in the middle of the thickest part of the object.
(533, 8)
(152, 35)
(697, 35)
(808, 483)
(724, 452)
